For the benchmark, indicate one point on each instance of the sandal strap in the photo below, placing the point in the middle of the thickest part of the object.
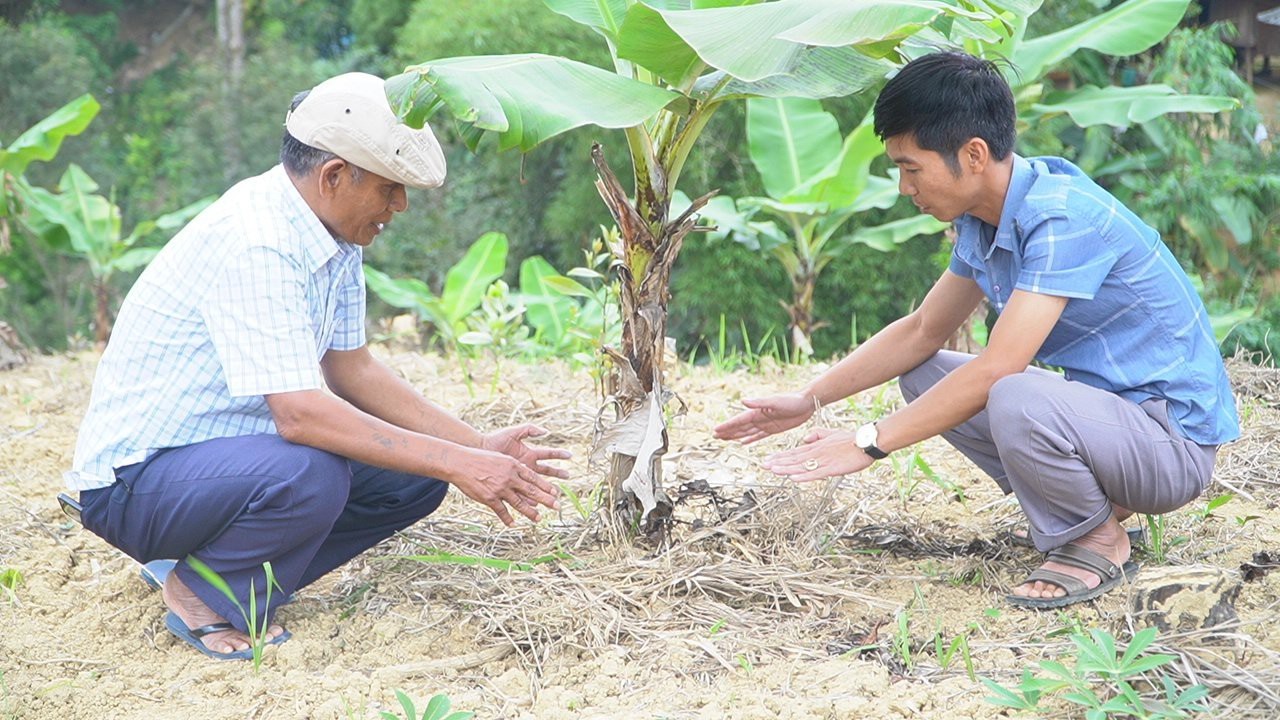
(211, 629)
(1073, 585)
(1083, 558)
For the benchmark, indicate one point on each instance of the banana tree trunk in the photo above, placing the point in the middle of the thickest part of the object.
(637, 439)
(12, 352)
(101, 313)
(800, 310)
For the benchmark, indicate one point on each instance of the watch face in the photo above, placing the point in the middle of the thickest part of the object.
(866, 436)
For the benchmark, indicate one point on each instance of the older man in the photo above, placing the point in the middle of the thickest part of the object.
(209, 433)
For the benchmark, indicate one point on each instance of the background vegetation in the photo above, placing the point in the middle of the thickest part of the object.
(169, 135)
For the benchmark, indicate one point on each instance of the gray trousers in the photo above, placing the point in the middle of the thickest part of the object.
(1068, 450)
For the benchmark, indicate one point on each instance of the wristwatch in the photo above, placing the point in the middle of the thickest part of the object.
(865, 438)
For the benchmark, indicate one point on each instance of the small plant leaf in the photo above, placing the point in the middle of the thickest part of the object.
(1219, 501)
(410, 712)
(1005, 697)
(437, 707)
(1143, 664)
(208, 575)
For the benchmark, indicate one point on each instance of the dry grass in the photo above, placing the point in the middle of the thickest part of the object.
(756, 570)
(772, 571)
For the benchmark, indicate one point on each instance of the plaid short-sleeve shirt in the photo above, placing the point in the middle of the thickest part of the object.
(242, 303)
(1134, 325)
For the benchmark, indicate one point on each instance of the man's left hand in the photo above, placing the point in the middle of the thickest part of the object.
(824, 453)
(511, 441)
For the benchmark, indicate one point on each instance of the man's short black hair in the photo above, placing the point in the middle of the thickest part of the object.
(946, 98)
(300, 159)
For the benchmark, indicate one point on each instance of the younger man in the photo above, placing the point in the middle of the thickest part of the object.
(1080, 283)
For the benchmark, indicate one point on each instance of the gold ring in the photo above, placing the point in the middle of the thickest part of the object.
(811, 464)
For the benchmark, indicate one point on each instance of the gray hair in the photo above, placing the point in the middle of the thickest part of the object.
(301, 159)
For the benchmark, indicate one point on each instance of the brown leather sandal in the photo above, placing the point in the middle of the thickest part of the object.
(1082, 558)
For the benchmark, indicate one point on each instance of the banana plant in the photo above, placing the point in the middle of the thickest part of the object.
(675, 63)
(475, 302)
(816, 184)
(75, 221)
(465, 285)
(39, 142)
(1127, 29)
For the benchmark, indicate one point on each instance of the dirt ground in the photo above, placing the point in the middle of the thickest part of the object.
(767, 601)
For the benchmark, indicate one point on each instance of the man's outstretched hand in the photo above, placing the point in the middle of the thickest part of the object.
(507, 474)
(767, 416)
(500, 482)
(511, 442)
(822, 454)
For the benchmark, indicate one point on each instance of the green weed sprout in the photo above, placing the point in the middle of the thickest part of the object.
(1213, 504)
(442, 557)
(10, 579)
(911, 470)
(1243, 520)
(1159, 543)
(585, 505)
(257, 635)
(946, 652)
(438, 708)
(1100, 682)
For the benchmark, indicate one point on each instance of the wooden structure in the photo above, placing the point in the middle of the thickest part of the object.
(1258, 23)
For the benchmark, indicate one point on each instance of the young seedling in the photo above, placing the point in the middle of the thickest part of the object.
(910, 472)
(1158, 542)
(906, 479)
(901, 640)
(257, 633)
(448, 558)
(585, 505)
(1099, 682)
(438, 708)
(946, 652)
(1214, 504)
(1243, 520)
(10, 579)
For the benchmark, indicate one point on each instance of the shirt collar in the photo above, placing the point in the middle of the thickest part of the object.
(1020, 182)
(318, 246)
(1006, 236)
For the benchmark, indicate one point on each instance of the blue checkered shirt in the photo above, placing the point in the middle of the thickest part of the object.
(1134, 325)
(242, 303)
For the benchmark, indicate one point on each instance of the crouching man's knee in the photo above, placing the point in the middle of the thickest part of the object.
(1012, 396)
(319, 487)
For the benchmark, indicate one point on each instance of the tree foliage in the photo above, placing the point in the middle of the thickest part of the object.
(155, 147)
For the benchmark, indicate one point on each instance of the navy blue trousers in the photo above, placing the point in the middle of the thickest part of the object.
(236, 503)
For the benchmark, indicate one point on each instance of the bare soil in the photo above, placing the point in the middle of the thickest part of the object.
(768, 600)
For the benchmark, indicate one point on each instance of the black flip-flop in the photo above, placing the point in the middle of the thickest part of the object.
(191, 636)
(1077, 557)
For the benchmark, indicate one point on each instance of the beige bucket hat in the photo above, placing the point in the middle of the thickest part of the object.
(349, 116)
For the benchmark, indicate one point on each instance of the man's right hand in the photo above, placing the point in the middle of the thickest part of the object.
(498, 481)
(766, 416)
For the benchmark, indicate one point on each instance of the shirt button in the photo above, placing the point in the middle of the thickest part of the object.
(997, 288)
